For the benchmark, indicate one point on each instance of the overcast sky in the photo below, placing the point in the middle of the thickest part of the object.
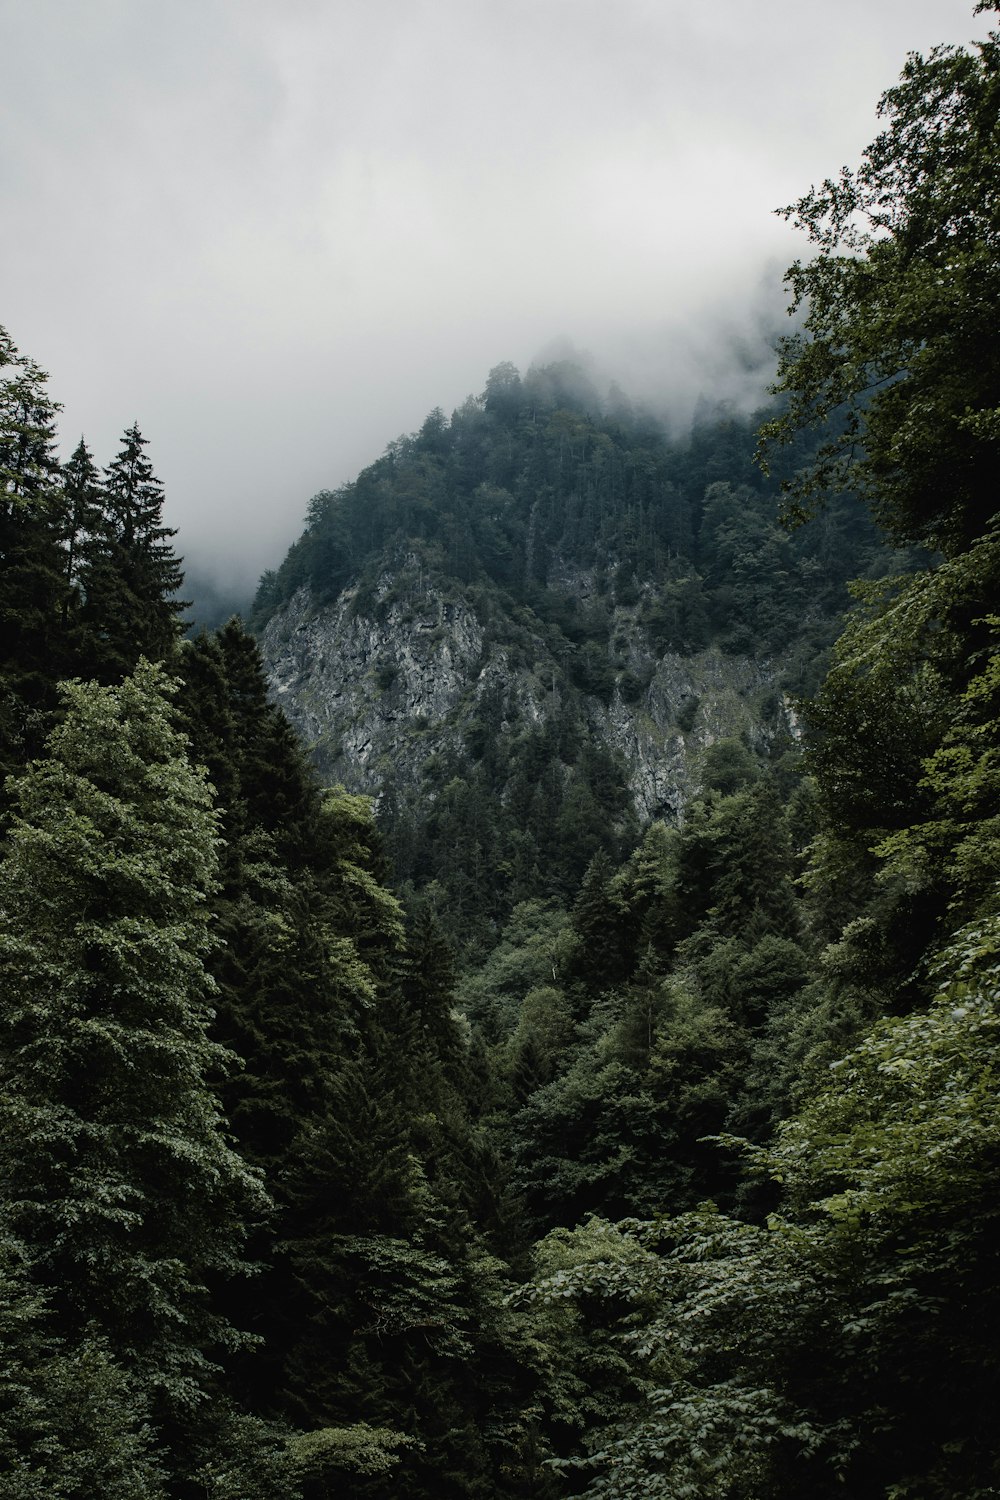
(278, 232)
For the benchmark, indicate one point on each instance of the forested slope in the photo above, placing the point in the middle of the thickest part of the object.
(683, 1181)
(522, 629)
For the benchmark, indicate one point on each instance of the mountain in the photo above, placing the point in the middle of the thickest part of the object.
(683, 1181)
(521, 629)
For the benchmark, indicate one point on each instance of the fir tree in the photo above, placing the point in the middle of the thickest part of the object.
(71, 1421)
(83, 510)
(32, 586)
(131, 575)
(116, 1174)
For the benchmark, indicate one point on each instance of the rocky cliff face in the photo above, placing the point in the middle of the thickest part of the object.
(382, 680)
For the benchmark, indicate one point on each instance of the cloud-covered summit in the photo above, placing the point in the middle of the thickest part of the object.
(278, 234)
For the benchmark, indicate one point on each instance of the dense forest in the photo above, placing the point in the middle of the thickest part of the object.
(492, 1141)
(566, 545)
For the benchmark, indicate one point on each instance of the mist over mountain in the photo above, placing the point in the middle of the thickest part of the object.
(673, 370)
(278, 235)
(518, 1017)
(526, 628)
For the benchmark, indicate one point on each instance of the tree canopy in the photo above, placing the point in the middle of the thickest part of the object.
(686, 1187)
(900, 303)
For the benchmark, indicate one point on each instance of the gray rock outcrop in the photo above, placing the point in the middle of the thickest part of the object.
(380, 681)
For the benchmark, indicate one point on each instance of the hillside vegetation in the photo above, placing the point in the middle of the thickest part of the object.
(536, 1145)
(542, 614)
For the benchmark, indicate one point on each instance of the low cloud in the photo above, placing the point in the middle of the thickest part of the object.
(279, 234)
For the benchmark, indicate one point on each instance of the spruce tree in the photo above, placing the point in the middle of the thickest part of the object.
(83, 509)
(599, 958)
(277, 785)
(71, 1421)
(116, 1173)
(31, 557)
(132, 575)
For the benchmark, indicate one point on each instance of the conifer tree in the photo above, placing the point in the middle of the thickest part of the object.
(286, 968)
(116, 1173)
(277, 785)
(71, 1421)
(428, 984)
(132, 574)
(209, 718)
(600, 958)
(83, 509)
(31, 557)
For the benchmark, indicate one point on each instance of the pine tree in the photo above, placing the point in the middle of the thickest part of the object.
(277, 785)
(132, 575)
(83, 509)
(213, 731)
(116, 1174)
(31, 558)
(428, 984)
(600, 957)
(71, 1422)
(349, 1100)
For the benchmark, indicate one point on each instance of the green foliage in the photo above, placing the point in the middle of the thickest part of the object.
(129, 575)
(844, 1340)
(903, 735)
(84, 502)
(533, 952)
(789, 1001)
(551, 517)
(72, 1422)
(900, 302)
(515, 490)
(33, 591)
(360, 1449)
(374, 1283)
(236, 1456)
(680, 971)
(590, 1286)
(116, 1173)
(845, 1346)
(88, 577)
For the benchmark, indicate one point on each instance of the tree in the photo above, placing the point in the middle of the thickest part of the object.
(598, 920)
(276, 782)
(32, 575)
(503, 395)
(116, 1173)
(83, 508)
(897, 356)
(71, 1422)
(845, 1345)
(132, 575)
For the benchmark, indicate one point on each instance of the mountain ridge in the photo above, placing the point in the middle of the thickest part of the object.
(521, 629)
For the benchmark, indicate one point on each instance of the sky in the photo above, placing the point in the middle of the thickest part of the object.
(277, 233)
